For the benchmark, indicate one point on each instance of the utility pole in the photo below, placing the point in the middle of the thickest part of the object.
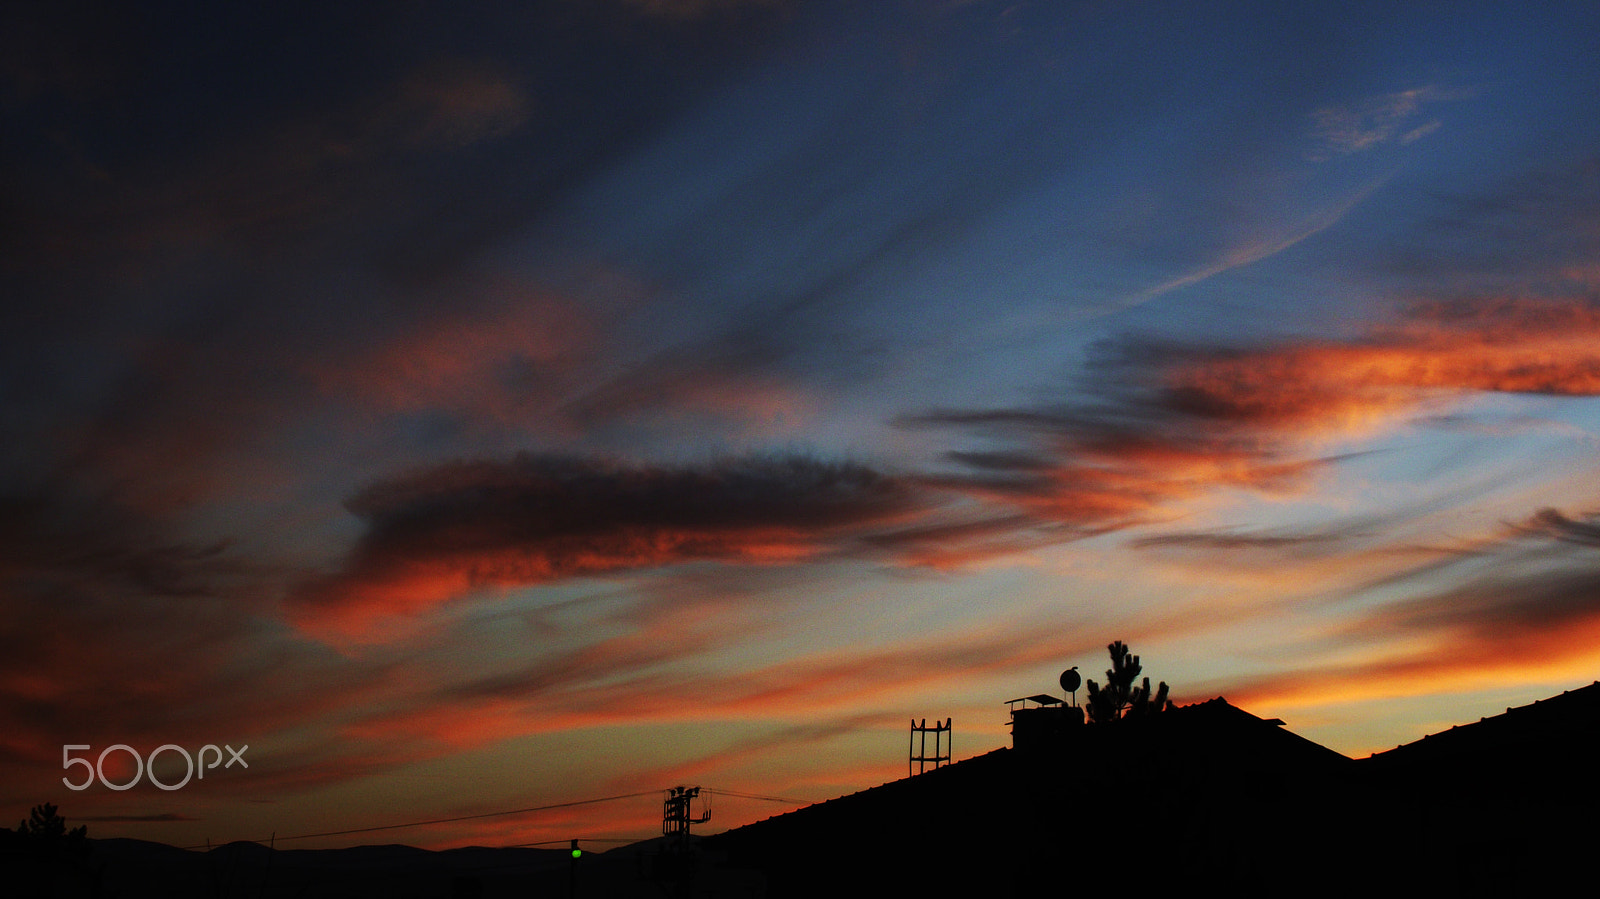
(677, 814)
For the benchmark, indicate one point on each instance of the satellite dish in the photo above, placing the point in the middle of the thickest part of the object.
(1070, 680)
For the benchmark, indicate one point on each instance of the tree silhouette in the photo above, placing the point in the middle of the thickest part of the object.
(1120, 698)
(45, 825)
(44, 836)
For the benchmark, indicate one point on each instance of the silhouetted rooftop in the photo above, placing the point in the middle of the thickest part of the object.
(1195, 775)
(1040, 698)
(1541, 728)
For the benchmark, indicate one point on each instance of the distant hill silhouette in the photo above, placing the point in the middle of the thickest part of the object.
(138, 869)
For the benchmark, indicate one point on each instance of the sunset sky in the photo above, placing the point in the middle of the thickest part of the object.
(474, 407)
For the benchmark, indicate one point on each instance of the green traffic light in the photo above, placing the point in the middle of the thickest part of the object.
(577, 853)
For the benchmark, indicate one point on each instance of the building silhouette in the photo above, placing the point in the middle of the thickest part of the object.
(1209, 795)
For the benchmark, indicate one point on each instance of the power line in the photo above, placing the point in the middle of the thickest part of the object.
(580, 839)
(762, 798)
(517, 811)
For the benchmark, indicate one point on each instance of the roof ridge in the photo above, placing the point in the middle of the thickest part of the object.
(1493, 722)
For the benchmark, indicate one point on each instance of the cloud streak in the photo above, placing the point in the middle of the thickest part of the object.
(1256, 251)
(1527, 610)
(818, 683)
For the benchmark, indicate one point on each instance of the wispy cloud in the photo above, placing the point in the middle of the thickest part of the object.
(503, 351)
(1315, 543)
(1254, 251)
(1551, 523)
(1526, 610)
(1362, 126)
(720, 762)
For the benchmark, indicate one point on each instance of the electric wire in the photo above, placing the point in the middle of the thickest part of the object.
(519, 811)
(788, 801)
(516, 811)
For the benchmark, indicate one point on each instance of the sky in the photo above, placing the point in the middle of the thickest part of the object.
(489, 406)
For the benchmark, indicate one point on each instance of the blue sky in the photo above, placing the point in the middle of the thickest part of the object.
(483, 407)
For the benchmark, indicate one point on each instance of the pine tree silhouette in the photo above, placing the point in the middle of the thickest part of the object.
(43, 858)
(1120, 698)
(45, 825)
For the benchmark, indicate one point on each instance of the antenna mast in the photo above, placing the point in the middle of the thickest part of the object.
(941, 739)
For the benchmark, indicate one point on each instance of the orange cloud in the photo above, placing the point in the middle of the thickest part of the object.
(1163, 423)
(1167, 424)
(1343, 388)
